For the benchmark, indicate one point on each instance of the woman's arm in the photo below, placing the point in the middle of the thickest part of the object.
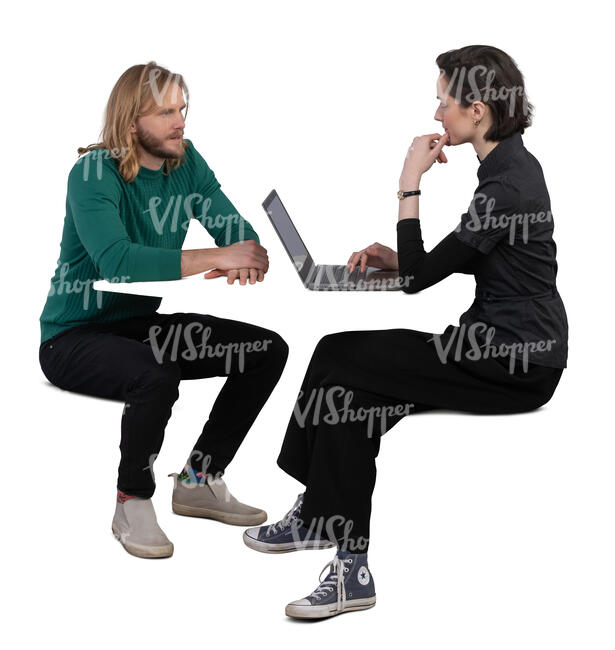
(419, 269)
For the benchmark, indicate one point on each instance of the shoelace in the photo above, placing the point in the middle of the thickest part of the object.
(337, 568)
(287, 518)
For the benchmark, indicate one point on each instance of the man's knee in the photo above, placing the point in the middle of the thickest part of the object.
(161, 377)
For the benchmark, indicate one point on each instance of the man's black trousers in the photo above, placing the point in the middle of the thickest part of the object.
(141, 362)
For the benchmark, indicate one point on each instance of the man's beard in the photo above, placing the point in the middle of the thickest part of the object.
(154, 146)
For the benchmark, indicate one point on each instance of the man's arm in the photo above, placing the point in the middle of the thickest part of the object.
(94, 203)
(215, 211)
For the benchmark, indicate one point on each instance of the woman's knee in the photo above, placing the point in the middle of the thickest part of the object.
(278, 348)
(330, 344)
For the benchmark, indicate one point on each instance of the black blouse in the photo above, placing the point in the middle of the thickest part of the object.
(505, 240)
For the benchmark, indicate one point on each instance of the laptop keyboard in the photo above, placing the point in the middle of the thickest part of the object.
(340, 274)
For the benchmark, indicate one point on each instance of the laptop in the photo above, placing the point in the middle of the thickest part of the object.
(324, 277)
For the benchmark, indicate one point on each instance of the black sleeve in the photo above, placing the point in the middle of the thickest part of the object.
(490, 218)
(419, 269)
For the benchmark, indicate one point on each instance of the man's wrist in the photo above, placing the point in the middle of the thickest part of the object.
(211, 256)
(198, 260)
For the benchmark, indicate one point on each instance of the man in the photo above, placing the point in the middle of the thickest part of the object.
(130, 199)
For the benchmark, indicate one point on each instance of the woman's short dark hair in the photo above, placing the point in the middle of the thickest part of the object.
(487, 74)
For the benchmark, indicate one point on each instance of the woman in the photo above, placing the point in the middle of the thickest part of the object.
(506, 356)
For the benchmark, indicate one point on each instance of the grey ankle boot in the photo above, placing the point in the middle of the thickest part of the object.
(136, 527)
(212, 500)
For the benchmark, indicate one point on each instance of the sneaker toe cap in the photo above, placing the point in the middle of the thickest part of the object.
(243, 509)
(253, 533)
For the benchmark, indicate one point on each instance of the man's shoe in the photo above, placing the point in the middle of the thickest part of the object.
(285, 535)
(211, 499)
(136, 527)
(348, 587)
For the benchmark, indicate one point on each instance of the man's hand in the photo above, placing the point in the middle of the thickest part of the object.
(254, 275)
(242, 258)
(242, 255)
(382, 257)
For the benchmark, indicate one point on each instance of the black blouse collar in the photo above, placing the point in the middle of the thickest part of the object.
(498, 157)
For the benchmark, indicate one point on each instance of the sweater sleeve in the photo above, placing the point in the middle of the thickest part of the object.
(419, 269)
(218, 215)
(94, 201)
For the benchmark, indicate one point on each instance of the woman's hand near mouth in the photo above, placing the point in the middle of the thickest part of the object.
(422, 154)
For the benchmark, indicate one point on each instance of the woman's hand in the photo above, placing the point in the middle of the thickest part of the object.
(422, 154)
(382, 257)
(253, 275)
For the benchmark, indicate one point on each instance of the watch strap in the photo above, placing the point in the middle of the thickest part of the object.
(401, 195)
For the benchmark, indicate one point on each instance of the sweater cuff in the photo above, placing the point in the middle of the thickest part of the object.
(169, 266)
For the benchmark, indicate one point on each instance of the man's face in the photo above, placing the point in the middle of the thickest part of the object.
(160, 132)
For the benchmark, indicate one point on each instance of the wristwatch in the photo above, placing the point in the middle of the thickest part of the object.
(401, 195)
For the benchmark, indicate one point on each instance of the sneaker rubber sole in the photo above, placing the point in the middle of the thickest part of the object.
(233, 518)
(286, 547)
(326, 611)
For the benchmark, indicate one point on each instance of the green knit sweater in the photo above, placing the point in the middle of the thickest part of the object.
(130, 232)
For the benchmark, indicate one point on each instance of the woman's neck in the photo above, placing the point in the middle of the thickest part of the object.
(483, 147)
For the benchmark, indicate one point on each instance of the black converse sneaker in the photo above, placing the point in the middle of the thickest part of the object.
(285, 535)
(349, 586)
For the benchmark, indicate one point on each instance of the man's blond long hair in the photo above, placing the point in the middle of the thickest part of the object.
(136, 93)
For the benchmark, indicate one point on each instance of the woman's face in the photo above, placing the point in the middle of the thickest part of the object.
(456, 120)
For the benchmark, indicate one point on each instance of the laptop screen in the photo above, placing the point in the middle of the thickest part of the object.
(287, 232)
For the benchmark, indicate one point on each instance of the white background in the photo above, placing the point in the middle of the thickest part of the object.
(487, 532)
